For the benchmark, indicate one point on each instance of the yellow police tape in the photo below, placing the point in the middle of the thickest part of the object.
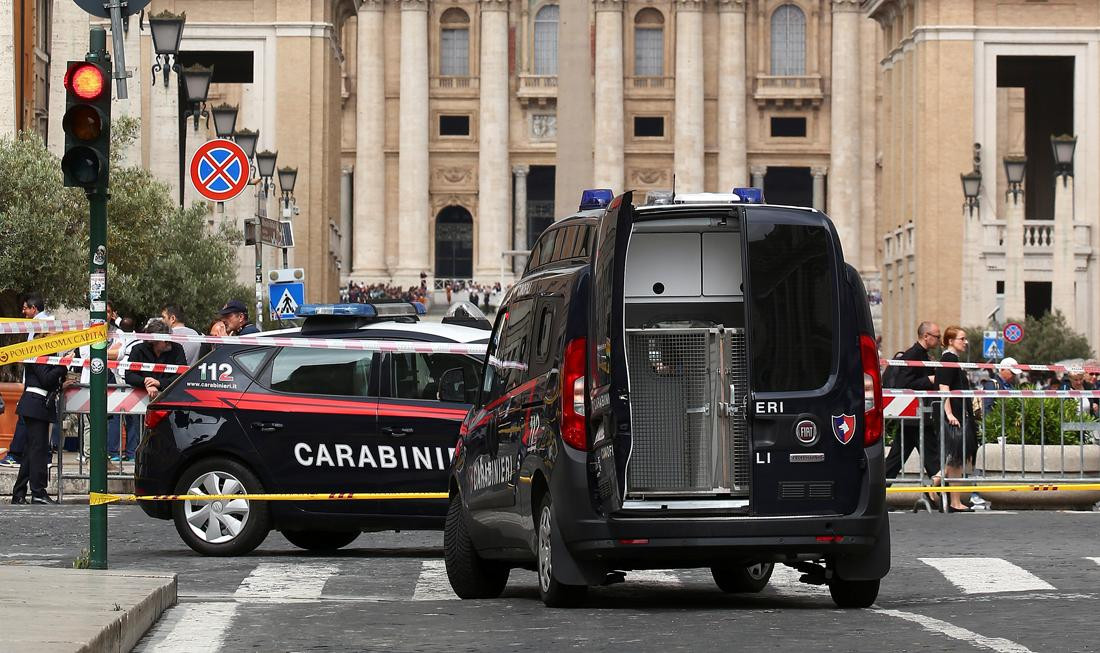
(52, 344)
(100, 498)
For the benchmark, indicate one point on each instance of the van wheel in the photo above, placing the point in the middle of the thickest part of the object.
(750, 578)
(853, 593)
(224, 527)
(320, 540)
(553, 593)
(471, 576)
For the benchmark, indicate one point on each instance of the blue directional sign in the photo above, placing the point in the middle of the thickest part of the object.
(285, 298)
(993, 346)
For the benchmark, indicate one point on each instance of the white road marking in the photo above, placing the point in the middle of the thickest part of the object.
(1096, 560)
(998, 644)
(784, 580)
(191, 627)
(986, 575)
(654, 577)
(284, 582)
(432, 585)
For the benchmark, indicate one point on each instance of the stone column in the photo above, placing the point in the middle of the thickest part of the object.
(1062, 291)
(688, 130)
(732, 161)
(819, 186)
(68, 42)
(8, 104)
(519, 216)
(1014, 259)
(346, 213)
(164, 139)
(609, 99)
(845, 190)
(414, 203)
(368, 223)
(493, 169)
(758, 173)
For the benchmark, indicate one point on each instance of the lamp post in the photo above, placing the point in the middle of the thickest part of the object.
(287, 177)
(1063, 147)
(247, 138)
(225, 119)
(194, 85)
(1015, 167)
(972, 182)
(167, 31)
(265, 167)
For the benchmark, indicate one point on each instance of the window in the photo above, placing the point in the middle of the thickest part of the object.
(649, 43)
(546, 41)
(416, 376)
(543, 252)
(546, 322)
(793, 301)
(454, 43)
(251, 360)
(789, 127)
(508, 350)
(319, 372)
(649, 127)
(454, 125)
(788, 41)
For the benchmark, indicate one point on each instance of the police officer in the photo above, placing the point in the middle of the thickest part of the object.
(37, 410)
(916, 378)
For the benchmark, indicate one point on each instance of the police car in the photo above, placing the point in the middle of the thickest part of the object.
(692, 382)
(247, 419)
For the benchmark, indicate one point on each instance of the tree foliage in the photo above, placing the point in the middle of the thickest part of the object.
(1046, 340)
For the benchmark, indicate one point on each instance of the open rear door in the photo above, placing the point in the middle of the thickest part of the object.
(609, 422)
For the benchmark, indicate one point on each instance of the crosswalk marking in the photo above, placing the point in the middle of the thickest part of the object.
(998, 644)
(986, 575)
(285, 582)
(1096, 560)
(191, 627)
(785, 580)
(655, 577)
(432, 585)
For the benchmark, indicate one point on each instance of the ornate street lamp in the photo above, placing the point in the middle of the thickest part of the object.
(972, 182)
(167, 30)
(225, 119)
(287, 177)
(246, 138)
(1063, 147)
(265, 166)
(1015, 168)
(196, 85)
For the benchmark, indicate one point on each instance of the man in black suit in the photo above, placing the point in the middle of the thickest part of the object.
(37, 410)
(916, 378)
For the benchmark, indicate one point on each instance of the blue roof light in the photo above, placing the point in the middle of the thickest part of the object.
(596, 198)
(349, 310)
(750, 195)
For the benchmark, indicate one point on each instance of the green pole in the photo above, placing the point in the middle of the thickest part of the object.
(97, 269)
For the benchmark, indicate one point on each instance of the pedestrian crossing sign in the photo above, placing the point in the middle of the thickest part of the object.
(993, 346)
(285, 298)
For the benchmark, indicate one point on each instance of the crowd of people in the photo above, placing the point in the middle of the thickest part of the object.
(486, 296)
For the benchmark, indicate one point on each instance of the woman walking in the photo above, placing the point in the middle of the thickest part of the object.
(959, 433)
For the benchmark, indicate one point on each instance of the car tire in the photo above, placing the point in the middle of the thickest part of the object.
(743, 579)
(321, 541)
(853, 593)
(470, 575)
(220, 528)
(553, 593)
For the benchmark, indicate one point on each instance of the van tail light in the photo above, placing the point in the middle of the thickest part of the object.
(872, 390)
(154, 417)
(573, 428)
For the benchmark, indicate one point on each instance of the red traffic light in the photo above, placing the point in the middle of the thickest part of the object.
(85, 80)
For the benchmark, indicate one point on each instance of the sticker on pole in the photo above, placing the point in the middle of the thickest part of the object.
(219, 170)
(1014, 332)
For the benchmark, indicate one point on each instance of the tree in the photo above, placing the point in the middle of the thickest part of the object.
(1047, 339)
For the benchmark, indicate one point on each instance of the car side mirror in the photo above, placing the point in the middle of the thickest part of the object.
(452, 386)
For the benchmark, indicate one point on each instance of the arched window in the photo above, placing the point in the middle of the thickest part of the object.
(454, 43)
(546, 41)
(788, 41)
(649, 43)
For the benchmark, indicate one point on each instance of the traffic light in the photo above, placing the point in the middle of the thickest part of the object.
(87, 125)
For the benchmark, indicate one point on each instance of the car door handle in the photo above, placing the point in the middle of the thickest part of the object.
(267, 427)
(397, 432)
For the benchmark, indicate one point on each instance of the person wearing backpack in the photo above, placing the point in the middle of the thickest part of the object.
(915, 378)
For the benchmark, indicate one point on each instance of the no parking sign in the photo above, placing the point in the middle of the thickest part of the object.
(1014, 332)
(219, 170)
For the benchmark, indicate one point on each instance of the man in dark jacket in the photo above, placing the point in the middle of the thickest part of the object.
(155, 351)
(916, 378)
(235, 315)
(37, 410)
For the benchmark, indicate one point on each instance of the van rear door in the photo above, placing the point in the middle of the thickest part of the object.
(609, 406)
(806, 401)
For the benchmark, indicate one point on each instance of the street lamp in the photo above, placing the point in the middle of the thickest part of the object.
(972, 182)
(225, 119)
(1063, 147)
(265, 166)
(246, 138)
(167, 30)
(196, 86)
(1015, 167)
(287, 177)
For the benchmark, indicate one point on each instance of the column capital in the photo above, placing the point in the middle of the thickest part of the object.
(730, 6)
(845, 6)
(521, 170)
(819, 171)
(412, 5)
(690, 5)
(371, 5)
(493, 5)
(758, 170)
(609, 5)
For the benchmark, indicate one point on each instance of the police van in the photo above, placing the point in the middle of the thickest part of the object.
(247, 419)
(693, 382)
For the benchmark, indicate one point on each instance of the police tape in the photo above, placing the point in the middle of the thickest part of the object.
(52, 344)
(11, 325)
(939, 394)
(73, 361)
(1006, 487)
(897, 362)
(387, 346)
(101, 498)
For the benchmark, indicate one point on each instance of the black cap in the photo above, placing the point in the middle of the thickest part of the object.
(233, 306)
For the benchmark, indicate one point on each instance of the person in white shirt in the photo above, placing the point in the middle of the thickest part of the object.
(173, 317)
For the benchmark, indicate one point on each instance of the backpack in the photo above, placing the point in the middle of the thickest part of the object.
(892, 377)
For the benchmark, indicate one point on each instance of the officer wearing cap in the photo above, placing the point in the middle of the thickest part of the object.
(235, 316)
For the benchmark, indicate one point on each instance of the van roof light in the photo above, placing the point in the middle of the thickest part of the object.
(596, 198)
(658, 197)
(379, 309)
(750, 195)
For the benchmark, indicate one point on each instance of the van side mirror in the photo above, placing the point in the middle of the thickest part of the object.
(452, 386)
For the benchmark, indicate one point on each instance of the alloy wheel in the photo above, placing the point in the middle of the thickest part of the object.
(545, 565)
(218, 521)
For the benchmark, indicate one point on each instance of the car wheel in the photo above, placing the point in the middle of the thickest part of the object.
(853, 593)
(553, 593)
(320, 540)
(750, 578)
(223, 527)
(471, 576)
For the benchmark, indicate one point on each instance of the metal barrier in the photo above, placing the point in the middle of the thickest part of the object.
(76, 400)
(1020, 436)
